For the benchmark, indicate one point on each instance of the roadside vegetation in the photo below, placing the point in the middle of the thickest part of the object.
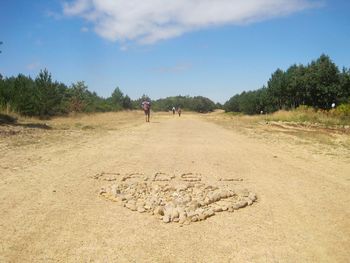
(316, 93)
(302, 116)
(320, 85)
(196, 104)
(338, 117)
(43, 97)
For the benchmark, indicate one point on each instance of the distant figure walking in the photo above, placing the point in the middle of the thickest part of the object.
(173, 109)
(179, 111)
(146, 106)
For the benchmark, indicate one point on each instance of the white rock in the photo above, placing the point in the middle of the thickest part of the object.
(159, 211)
(166, 219)
(182, 218)
(209, 212)
(252, 196)
(131, 206)
(140, 209)
(240, 204)
(202, 216)
(174, 214)
(217, 209)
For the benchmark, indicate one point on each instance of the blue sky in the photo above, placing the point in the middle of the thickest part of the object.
(166, 48)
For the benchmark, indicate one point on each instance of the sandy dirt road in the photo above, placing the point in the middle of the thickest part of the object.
(51, 210)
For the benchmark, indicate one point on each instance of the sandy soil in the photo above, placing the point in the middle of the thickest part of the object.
(51, 210)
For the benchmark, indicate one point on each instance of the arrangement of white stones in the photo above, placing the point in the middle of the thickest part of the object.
(184, 201)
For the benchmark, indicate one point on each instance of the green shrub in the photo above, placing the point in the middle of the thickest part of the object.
(342, 110)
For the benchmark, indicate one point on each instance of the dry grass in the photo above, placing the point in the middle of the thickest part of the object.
(317, 130)
(100, 121)
(309, 116)
(29, 130)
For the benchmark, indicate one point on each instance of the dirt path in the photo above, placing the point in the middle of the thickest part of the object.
(51, 210)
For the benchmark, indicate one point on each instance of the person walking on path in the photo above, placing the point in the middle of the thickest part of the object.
(173, 109)
(179, 111)
(146, 106)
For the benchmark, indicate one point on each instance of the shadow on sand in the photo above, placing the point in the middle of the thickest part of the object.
(9, 120)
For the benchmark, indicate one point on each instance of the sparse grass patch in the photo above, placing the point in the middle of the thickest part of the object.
(27, 131)
(321, 130)
(308, 115)
(87, 127)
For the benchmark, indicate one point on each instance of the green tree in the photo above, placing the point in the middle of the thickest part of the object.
(277, 88)
(127, 104)
(24, 100)
(78, 97)
(345, 86)
(117, 99)
(295, 86)
(46, 94)
(322, 82)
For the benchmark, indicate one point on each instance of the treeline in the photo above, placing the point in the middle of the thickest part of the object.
(44, 97)
(197, 104)
(318, 84)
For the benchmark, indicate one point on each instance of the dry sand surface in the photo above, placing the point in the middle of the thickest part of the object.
(67, 194)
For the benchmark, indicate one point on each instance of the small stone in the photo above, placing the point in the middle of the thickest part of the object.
(182, 218)
(174, 214)
(199, 211)
(103, 191)
(129, 197)
(194, 205)
(167, 213)
(191, 213)
(131, 202)
(166, 219)
(239, 205)
(217, 209)
(224, 194)
(159, 211)
(245, 193)
(209, 212)
(140, 209)
(181, 210)
(252, 196)
(216, 197)
(131, 206)
(202, 216)
(206, 203)
(194, 219)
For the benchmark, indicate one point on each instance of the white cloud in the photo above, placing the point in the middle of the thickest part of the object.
(149, 21)
(54, 15)
(84, 29)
